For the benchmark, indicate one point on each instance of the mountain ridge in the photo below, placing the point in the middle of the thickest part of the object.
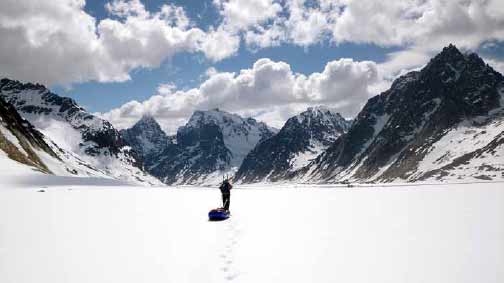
(85, 136)
(400, 128)
(301, 139)
(210, 145)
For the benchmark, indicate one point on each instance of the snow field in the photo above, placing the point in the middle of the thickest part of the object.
(441, 233)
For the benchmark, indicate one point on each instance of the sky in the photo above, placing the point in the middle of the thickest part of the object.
(266, 59)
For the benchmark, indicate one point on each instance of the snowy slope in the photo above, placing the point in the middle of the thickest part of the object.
(85, 140)
(432, 233)
(300, 141)
(25, 151)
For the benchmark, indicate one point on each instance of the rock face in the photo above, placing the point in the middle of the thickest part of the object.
(301, 139)
(20, 141)
(147, 139)
(93, 139)
(443, 122)
(213, 143)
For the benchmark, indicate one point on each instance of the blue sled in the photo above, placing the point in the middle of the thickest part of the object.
(218, 214)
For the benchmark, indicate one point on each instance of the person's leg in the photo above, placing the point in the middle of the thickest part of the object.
(227, 201)
(223, 200)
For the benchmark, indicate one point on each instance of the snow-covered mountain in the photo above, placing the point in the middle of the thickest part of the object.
(443, 122)
(24, 150)
(81, 137)
(147, 139)
(212, 143)
(301, 139)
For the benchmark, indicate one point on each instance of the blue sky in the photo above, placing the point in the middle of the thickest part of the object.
(186, 70)
(268, 59)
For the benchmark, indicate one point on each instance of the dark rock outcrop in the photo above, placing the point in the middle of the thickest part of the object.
(299, 141)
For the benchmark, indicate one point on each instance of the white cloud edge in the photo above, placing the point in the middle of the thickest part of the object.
(42, 33)
(108, 50)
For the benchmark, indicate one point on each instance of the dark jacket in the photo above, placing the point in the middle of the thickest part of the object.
(225, 187)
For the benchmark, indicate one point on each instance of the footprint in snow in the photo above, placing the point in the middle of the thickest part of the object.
(227, 256)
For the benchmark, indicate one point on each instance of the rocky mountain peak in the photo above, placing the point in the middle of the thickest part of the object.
(301, 139)
(319, 109)
(319, 112)
(213, 116)
(239, 134)
(319, 119)
(450, 52)
(398, 128)
(450, 65)
(212, 143)
(148, 122)
(146, 137)
(7, 83)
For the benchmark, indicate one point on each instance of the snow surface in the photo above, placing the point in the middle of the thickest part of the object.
(296, 233)
(13, 169)
(301, 159)
(466, 138)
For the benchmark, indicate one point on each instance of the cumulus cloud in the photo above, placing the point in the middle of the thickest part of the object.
(306, 25)
(269, 91)
(220, 43)
(57, 42)
(433, 23)
(242, 14)
(262, 37)
(421, 27)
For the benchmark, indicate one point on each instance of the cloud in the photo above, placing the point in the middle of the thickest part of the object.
(143, 39)
(242, 14)
(432, 23)
(498, 65)
(306, 25)
(220, 44)
(268, 36)
(57, 42)
(420, 27)
(269, 91)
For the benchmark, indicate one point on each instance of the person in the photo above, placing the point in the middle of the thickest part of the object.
(225, 189)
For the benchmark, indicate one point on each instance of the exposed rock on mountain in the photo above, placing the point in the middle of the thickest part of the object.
(147, 139)
(78, 132)
(301, 140)
(211, 144)
(20, 141)
(443, 122)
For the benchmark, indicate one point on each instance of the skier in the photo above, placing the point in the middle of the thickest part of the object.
(225, 189)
